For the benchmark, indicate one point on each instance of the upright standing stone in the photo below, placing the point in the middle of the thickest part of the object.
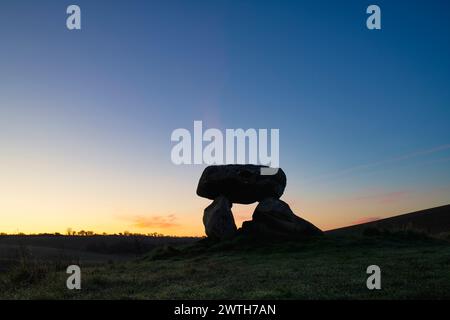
(218, 219)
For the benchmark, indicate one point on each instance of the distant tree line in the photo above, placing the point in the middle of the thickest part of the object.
(88, 233)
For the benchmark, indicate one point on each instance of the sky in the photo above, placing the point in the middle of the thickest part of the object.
(86, 115)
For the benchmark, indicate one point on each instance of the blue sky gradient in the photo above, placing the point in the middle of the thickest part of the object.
(362, 114)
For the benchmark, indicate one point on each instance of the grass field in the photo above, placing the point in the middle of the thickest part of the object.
(414, 266)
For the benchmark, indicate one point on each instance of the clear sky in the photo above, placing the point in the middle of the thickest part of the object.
(86, 116)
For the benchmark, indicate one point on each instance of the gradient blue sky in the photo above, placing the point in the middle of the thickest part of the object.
(86, 116)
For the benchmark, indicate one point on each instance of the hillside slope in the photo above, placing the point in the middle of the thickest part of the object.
(332, 267)
(433, 221)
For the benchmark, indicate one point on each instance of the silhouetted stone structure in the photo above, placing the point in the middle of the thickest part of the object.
(218, 219)
(240, 183)
(272, 218)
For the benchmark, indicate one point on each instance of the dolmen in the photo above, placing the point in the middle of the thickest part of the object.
(272, 218)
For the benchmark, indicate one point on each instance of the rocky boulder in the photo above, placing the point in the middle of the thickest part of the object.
(273, 218)
(218, 219)
(240, 183)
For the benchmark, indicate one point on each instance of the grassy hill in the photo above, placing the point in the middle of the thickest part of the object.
(334, 267)
(414, 265)
(86, 250)
(432, 221)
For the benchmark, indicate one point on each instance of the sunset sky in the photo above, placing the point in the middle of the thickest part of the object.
(86, 116)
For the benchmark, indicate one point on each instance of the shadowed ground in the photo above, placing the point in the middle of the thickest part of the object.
(413, 265)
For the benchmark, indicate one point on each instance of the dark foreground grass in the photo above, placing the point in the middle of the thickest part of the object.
(328, 268)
